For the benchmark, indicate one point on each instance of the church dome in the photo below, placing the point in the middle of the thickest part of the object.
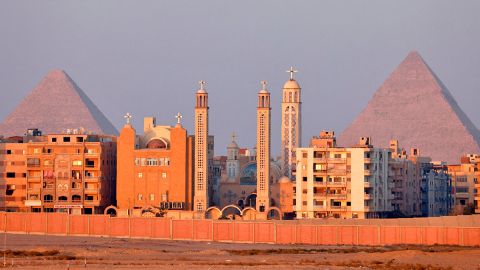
(291, 84)
(263, 91)
(201, 91)
(233, 145)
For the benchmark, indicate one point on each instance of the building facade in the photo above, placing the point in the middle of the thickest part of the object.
(291, 125)
(155, 169)
(436, 190)
(342, 182)
(463, 177)
(71, 172)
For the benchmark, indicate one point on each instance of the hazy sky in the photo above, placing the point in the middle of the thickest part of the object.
(146, 57)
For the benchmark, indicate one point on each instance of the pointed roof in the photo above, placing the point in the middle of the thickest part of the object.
(56, 104)
(414, 107)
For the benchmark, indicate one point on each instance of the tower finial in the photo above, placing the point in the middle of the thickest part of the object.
(202, 84)
(234, 137)
(179, 117)
(128, 117)
(264, 85)
(292, 71)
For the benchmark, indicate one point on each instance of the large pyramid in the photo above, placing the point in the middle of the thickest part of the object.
(55, 105)
(414, 107)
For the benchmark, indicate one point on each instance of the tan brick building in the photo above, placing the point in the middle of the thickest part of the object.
(71, 172)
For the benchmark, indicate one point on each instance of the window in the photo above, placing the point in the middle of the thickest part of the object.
(77, 163)
(66, 139)
(338, 155)
(79, 139)
(164, 175)
(140, 197)
(37, 150)
(140, 175)
(152, 197)
(54, 139)
(152, 162)
(10, 175)
(9, 152)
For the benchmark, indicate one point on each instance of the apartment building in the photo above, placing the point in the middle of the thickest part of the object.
(406, 172)
(463, 177)
(71, 172)
(13, 174)
(436, 190)
(342, 182)
(477, 187)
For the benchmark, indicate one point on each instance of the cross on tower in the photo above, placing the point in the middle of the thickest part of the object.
(202, 84)
(264, 85)
(234, 137)
(291, 71)
(179, 117)
(128, 117)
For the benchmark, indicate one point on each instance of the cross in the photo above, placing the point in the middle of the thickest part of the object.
(291, 71)
(234, 136)
(179, 117)
(264, 85)
(128, 116)
(202, 84)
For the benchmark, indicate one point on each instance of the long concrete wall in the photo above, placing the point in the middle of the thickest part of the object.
(454, 231)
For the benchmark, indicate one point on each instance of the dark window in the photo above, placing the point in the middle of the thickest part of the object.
(79, 139)
(66, 139)
(10, 175)
(9, 152)
(54, 139)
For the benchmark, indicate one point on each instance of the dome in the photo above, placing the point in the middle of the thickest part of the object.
(284, 179)
(201, 91)
(156, 144)
(263, 91)
(291, 84)
(233, 145)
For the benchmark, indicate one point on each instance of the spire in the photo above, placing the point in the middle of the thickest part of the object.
(128, 118)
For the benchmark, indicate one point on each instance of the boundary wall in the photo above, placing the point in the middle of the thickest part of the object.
(454, 231)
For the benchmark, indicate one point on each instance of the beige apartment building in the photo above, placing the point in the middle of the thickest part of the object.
(464, 177)
(13, 175)
(342, 182)
(71, 172)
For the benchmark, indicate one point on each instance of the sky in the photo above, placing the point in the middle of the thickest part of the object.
(146, 57)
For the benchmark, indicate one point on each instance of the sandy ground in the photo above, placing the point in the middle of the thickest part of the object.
(59, 252)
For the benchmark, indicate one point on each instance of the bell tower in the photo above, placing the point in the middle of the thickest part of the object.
(291, 123)
(201, 150)
(263, 149)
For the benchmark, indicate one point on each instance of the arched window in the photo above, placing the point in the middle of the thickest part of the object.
(48, 198)
(76, 198)
(62, 199)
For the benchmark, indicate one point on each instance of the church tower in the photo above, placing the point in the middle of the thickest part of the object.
(291, 123)
(201, 149)
(233, 163)
(263, 149)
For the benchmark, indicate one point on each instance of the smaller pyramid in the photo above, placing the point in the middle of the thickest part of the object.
(414, 107)
(55, 105)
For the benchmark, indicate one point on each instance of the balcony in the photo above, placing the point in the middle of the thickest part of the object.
(463, 195)
(337, 208)
(91, 179)
(319, 183)
(368, 172)
(336, 184)
(368, 208)
(338, 196)
(336, 160)
(319, 160)
(367, 160)
(367, 196)
(367, 184)
(34, 179)
(319, 208)
(91, 190)
(338, 172)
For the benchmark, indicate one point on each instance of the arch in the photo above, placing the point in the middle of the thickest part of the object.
(48, 198)
(251, 200)
(241, 203)
(111, 211)
(249, 213)
(62, 198)
(230, 211)
(76, 198)
(213, 213)
(157, 143)
(274, 213)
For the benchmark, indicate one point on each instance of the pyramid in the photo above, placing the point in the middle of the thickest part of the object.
(55, 105)
(414, 107)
